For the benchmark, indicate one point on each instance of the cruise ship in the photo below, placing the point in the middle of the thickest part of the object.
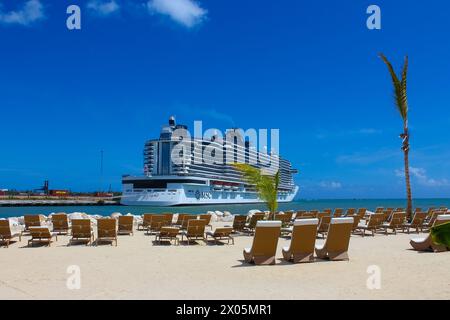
(167, 182)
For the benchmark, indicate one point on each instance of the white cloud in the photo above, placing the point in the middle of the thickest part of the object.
(422, 178)
(186, 12)
(330, 184)
(103, 8)
(31, 11)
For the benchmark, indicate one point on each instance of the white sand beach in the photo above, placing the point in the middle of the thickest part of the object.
(139, 269)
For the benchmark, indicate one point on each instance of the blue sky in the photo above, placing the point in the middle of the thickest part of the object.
(309, 68)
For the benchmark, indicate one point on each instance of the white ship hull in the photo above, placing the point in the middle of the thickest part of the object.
(188, 195)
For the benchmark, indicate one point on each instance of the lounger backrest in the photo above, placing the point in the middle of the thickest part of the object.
(361, 212)
(339, 234)
(324, 223)
(356, 220)
(157, 221)
(206, 217)
(180, 218)
(60, 221)
(351, 211)
(282, 217)
(379, 210)
(418, 219)
(440, 219)
(147, 219)
(32, 220)
(289, 215)
(186, 219)
(338, 212)
(40, 232)
(375, 220)
(81, 228)
(5, 229)
(266, 238)
(327, 211)
(397, 219)
(106, 228)
(299, 213)
(196, 228)
(304, 235)
(223, 232)
(239, 222)
(169, 231)
(168, 217)
(126, 223)
(255, 218)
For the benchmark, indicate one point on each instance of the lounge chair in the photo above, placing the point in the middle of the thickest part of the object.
(168, 233)
(396, 222)
(107, 230)
(338, 239)
(373, 224)
(338, 212)
(284, 218)
(299, 214)
(180, 218)
(416, 223)
(41, 235)
(221, 234)
(426, 243)
(431, 219)
(6, 234)
(146, 220)
(303, 240)
(156, 223)
(356, 221)
(168, 217)
(251, 225)
(207, 218)
(125, 225)
(60, 223)
(329, 211)
(361, 213)
(265, 243)
(32, 220)
(82, 231)
(324, 225)
(350, 212)
(195, 230)
(238, 223)
(186, 219)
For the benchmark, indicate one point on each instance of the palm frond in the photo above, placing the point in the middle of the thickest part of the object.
(399, 87)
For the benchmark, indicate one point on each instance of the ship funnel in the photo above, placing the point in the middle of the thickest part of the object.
(172, 121)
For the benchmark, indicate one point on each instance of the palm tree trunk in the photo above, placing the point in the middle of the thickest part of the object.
(405, 149)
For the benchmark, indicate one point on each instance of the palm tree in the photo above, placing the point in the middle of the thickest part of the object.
(266, 185)
(401, 101)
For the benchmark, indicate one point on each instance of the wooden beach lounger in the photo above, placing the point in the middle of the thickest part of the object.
(338, 212)
(284, 218)
(41, 235)
(207, 218)
(156, 223)
(338, 239)
(180, 218)
(265, 242)
(303, 240)
(107, 230)
(323, 225)
(251, 225)
(146, 220)
(6, 234)
(416, 223)
(60, 223)
(221, 234)
(125, 225)
(426, 243)
(168, 217)
(373, 224)
(32, 220)
(168, 233)
(82, 231)
(238, 223)
(396, 222)
(195, 230)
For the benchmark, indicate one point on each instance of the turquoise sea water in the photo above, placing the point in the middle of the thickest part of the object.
(370, 204)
